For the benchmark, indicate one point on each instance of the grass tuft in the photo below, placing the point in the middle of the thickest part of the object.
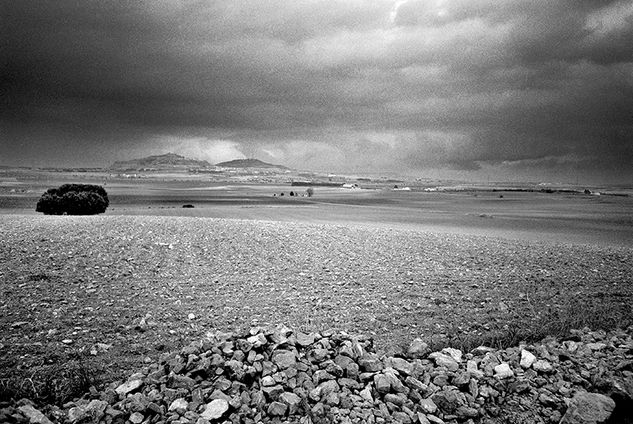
(51, 384)
(555, 322)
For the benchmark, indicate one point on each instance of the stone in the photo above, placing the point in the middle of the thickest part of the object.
(464, 412)
(519, 386)
(305, 339)
(273, 391)
(179, 405)
(447, 401)
(441, 380)
(434, 420)
(136, 418)
(461, 379)
(318, 355)
(366, 394)
(284, 359)
(328, 387)
(349, 383)
(417, 349)
(547, 400)
(381, 383)
(128, 387)
(596, 346)
(401, 417)
(93, 411)
(290, 399)
(422, 419)
(446, 361)
(503, 371)
(257, 340)
(215, 409)
(428, 406)
(543, 366)
(370, 364)
(277, 409)
(394, 382)
(34, 415)
(395, 399)
(586, 408)
(527, 359)
(268, 381)
(414, 383)
(401, 365)
(456, 354)
(182, 382)
(473, 369)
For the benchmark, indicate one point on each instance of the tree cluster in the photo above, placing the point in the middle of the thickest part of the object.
(73, 199)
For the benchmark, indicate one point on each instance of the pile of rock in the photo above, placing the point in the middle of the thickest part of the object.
(284, 376)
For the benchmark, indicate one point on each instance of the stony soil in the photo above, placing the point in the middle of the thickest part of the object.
(121, 289)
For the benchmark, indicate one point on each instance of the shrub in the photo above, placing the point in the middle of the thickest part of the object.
(310, 191)
(73, 199)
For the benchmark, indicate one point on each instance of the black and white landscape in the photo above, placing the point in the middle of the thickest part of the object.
(372, 211)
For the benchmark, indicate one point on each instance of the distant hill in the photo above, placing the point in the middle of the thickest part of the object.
(166, 161)
(248, 163)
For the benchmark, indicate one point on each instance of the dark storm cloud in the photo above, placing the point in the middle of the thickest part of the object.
(461, 84)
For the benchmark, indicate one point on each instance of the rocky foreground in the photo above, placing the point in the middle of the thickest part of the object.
(281, 376)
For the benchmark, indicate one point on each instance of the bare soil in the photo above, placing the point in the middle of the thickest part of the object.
(70, 283)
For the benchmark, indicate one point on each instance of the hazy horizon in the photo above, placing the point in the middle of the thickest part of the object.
(529, 91)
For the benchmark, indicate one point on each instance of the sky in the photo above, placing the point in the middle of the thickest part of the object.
(535, 90)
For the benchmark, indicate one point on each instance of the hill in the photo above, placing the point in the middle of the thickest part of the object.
(248, 163)
(166, 161)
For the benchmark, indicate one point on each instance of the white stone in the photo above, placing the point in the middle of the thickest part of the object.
(179, 403)
(215, 409)
(443, 360)
(473, 370)
(366, 394)
(456, 354)
(136, 418)
(543, 366)
(503, 370)
(34, 415)
(527, 359)
(128, 387)
(428, 406)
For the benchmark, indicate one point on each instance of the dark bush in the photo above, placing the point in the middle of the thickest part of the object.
(73, 199)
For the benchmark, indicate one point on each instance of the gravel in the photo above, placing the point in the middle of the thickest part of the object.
(234, 378)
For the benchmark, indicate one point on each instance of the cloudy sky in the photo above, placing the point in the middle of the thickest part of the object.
(537, 89)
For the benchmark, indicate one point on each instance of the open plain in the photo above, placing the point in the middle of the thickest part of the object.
(454, 268)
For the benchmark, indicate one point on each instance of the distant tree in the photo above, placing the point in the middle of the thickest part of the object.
(310, 191)
(73, 199)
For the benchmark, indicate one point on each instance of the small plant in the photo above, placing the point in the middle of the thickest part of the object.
(54, 384)
(310, 191)
(574, 314)
(73, 199)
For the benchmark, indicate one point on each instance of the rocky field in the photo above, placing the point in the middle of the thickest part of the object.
(108, 293)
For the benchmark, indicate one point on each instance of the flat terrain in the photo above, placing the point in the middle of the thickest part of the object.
(558, 217)
(90, 280)
(149, 275)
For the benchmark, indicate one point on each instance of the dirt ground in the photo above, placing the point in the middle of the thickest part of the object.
(149, 276)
